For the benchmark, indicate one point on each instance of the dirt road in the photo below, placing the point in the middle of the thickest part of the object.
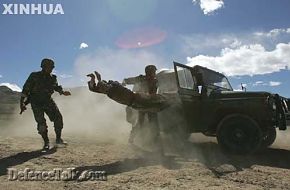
(200, 166)
(97, 134)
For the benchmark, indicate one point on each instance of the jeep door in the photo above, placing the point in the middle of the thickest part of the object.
(189, 95)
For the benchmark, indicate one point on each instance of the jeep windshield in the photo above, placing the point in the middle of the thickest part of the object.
(215, 80)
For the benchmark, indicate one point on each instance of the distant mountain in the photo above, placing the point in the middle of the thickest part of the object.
(8, 96)
(12, 86)
(9, 101)
(81, 97)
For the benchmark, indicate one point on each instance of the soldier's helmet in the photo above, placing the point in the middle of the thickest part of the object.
(150, 68)
(47, 63)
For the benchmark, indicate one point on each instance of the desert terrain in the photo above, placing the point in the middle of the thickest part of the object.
(97, 135)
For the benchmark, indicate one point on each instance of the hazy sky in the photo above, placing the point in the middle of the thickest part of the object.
(248, 40)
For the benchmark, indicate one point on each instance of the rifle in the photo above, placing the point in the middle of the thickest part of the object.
(26, 102)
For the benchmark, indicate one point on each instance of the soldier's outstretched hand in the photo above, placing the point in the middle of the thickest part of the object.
(98, 75)
(92, 76)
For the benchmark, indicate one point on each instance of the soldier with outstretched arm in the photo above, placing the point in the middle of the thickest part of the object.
(114, 90)
(148, 84)
(149, 103)
(38, 90)
(144, 83)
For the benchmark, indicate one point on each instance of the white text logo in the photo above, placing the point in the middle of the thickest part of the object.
(32, 9)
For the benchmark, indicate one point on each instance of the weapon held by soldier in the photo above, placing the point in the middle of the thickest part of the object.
(23, 105)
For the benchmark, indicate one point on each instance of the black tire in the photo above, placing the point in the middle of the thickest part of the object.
(239, 134)
(269, 137)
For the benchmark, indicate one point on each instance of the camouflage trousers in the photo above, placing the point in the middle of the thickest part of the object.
(152, 118)
(51, 110)
(153, 124)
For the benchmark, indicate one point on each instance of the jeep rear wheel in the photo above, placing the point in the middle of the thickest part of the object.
(239, 134)
(269, 137)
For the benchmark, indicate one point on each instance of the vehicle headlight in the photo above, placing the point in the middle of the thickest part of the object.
(274, 106)
(285, 105)
(271, 102)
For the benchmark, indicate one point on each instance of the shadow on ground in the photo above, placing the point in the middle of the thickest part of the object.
(20, 158)
(126, 165)
(208, 153)
(212, 156)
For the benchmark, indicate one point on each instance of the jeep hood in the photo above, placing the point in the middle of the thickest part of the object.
(238, 94)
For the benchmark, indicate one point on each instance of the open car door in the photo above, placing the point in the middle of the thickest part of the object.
(189, 95)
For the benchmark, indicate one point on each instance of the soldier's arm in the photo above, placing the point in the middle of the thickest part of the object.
(122, 95)
(26, 90)
(133, 80)
(28, 85)
(56, 87)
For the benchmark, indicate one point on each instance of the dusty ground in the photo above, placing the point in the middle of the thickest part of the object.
(201, 166)
(97, 134)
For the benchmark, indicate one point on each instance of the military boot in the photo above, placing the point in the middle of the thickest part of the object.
(46, 142)
(58, 138)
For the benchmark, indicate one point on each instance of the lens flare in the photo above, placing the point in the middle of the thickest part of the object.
(141, 37)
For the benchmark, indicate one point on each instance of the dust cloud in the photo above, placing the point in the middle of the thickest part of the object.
(90, 115)
(283, 139)
(85, 115)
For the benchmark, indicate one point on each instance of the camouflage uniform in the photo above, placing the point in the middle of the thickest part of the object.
(143, 85)
(39, 87)
(147, 103)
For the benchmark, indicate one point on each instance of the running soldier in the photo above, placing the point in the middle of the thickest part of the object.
(38, 90)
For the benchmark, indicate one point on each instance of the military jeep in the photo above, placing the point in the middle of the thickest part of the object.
(205, 102)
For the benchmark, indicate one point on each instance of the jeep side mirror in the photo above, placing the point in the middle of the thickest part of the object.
(243, 87)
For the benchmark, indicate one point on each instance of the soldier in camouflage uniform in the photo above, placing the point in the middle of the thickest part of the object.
(147, 84)
(144, 83)
(149, 103)
(38, 88)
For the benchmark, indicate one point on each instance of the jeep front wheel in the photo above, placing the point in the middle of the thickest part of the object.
(269, 137)
(239, 134)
